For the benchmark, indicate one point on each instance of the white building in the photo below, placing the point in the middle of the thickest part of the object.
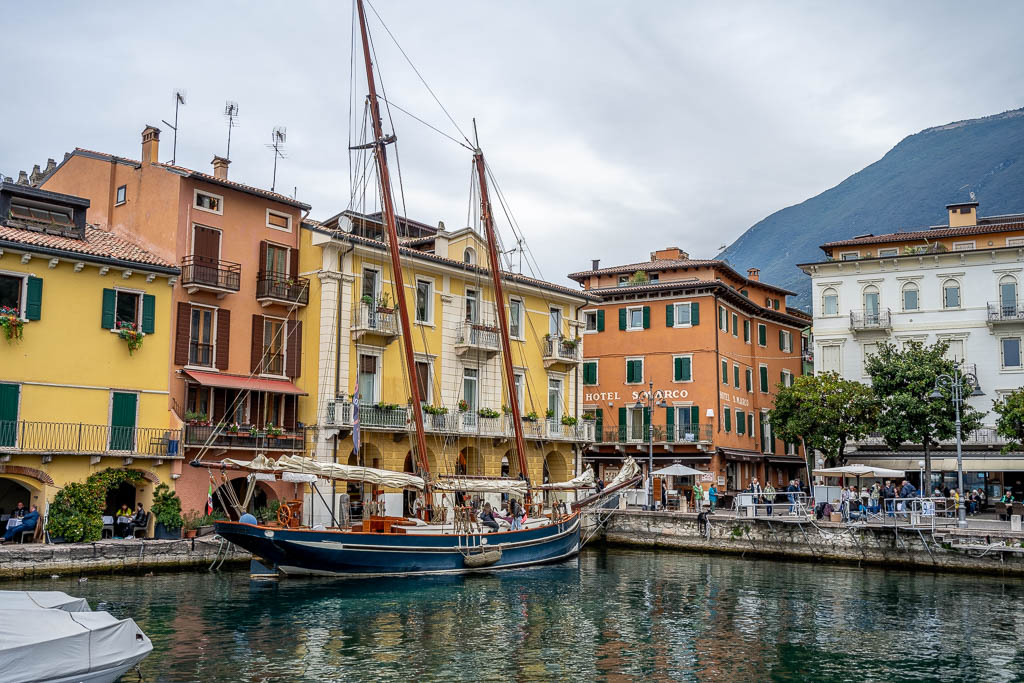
(960, 283)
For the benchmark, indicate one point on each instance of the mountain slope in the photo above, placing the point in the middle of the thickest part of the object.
(907, 188)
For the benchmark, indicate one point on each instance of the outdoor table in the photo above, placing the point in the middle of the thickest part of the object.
(108, 519)
(13, 523)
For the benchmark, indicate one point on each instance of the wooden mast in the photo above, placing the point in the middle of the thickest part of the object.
(499, 296)
(391, 227)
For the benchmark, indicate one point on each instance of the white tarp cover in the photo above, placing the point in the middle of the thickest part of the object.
(481, 485)
(44, 644)
(858, 471)
(42, 600)
(629, 471)
(330, 470)
(584, 481)
(677, 470)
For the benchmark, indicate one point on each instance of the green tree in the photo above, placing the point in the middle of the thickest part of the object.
(903, 379)
(824, 412)
(76, 513)
(1010, 423)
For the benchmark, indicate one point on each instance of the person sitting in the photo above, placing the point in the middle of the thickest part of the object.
(19, 511)
(123, 520)
(139, 521)
(28, 523)
(487, 518)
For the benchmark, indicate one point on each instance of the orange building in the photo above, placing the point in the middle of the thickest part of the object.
(715, 345)
(237, 339)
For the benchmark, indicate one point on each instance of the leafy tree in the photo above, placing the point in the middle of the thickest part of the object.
(903, 379)
(76, 513)
(824, 412)
(1010, 423)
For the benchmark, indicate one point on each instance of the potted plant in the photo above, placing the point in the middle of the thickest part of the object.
(131, 334)
(488, 412)
(191, 417)
(588, 416)
(530, 416)
(191, 522)
(571, 344)
(463, 405)
(253, 432)
(272, 431)
(11, 322)
(569, 421)
(232, 429)
(549, 413)
(384, 303)
(435, 410)
(367, 299)
(166, 508)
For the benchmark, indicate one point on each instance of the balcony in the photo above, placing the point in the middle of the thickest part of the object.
(986, 437)
(477, 340)
(200, 274)
(663, 434)
(210, 436)
(370, 319)
(559, 350)
(74, 438)
(1000, 313)
(870, 321)
(275, 288)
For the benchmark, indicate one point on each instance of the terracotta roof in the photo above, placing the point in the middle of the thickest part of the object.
(931, 233)
(102, 245)
(665, 264)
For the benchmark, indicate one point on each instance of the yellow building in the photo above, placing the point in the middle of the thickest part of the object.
(74, 397)
(458, 356)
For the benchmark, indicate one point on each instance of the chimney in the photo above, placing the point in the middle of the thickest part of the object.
(669, 254)
(754, 274)
(22, 178)
(36, 176)
(51, 166)
(441, 241)
(220, 167)
(963, 214)
(150, 145)
(595, 264)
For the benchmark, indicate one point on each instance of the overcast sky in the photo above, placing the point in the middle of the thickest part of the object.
(614, 128)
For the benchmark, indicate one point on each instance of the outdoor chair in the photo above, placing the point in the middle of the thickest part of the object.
(34, 534)
(1018, 509)
(1001, 511)
(143, 528)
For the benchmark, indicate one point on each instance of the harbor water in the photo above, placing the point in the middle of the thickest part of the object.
(610, 614)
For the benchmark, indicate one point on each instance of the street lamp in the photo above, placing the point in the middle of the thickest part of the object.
(955, 383)
(649, 399)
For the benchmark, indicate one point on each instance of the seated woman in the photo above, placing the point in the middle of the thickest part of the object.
(487, 518)
(122, 520)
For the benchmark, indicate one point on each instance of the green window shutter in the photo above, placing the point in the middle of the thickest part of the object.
(677, 369)
(695, 415)
(647, 317)
(670, 423)
(749, 379)
(727, 413)
(9, 414)
(148, 313)
(622, 424)
(764, 378)
(622, 318)
(107, 319)
(725, 372)
(687, 369)
(600, 320)
(741, 421)
(670, 315)
(762, 335)
(122, 422)
(735, 324)
(694, 313)
(647, 420)
(782, 378)
(750, 424)
(782, 340)
(34, 300)
(629, 372)
(736, 376)
(746, 330)
(598, 425)
(760, 426)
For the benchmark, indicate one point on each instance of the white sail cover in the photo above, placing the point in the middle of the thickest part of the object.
(482, 485)
(629, 470)
(330, 470)
(42, 600)
(584, 481)
(39, 644)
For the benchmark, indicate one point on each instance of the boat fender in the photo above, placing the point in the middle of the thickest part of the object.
(248, 519)
(483, 559)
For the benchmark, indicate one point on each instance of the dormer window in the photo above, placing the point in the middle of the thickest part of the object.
(469, 256)
(38, 212)
(205, 201)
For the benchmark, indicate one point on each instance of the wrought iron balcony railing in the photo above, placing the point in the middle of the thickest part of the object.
(288, 289)
(198, 272)
(200, 354)
(214, 436)
(870, 320)
(999, 312)
(478, 337)
(76, 438)
(372, 319)
(663, 434)
(562, 350)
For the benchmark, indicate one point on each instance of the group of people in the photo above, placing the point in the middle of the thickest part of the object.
(515, 515)
(873, 499)
(768, 495)
(126, 522)
(20, 520)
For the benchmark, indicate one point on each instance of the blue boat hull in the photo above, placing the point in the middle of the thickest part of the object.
(342, 553)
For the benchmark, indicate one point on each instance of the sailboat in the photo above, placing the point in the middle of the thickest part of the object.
(380, 544)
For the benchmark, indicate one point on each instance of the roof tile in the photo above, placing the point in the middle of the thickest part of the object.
(96, 243)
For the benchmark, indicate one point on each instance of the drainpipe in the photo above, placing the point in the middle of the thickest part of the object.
(718, 382)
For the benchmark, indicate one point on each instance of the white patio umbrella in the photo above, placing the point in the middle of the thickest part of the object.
(677, 471)
(858, 471)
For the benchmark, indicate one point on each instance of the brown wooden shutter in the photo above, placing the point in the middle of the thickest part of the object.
(219, 404)
(263, 257)
(293, 357)
(223, 338)
(256, 415)
(257, 343)
(293, 263)
(181, 332)
(289, 412)
(206, 246)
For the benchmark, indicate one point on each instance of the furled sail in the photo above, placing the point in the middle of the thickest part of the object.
(330, 470)
(516, 486)
(629, 471)
(584, 481)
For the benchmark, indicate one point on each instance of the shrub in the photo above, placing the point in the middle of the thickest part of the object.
(76, 514)
(167, 507)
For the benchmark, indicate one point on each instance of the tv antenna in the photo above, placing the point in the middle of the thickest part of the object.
(277, 139)
(516, 249)
(179, 99)
(231, 112)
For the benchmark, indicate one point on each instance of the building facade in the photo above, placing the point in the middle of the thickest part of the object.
(75, 398)
(957, 283)
(234, 323)
(715, 344)
(355, 348)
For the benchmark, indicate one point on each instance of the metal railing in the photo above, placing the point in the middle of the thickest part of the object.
(200, 354)
(777, 504)
(371, 318)
(478, 335)
(87, 439)
(563, 350)
(871, 320)
(218, 436)
(287, 288)
(985, 436)
(663, 434)
(272, 363)
(999, 312)
(198, 271)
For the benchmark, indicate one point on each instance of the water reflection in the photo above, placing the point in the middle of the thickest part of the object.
(610, 614)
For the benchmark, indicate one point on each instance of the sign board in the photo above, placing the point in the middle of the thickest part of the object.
(707, 476)
(721, 482)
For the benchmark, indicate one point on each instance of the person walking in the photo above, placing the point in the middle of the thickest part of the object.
(769, 498)
(698, 496)
(791, 495)
(844, 503)
(712, 497)
(873, 497)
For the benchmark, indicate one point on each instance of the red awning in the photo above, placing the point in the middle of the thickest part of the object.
(222, 381)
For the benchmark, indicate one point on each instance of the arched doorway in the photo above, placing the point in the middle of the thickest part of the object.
(473, 462)
(239, 486)
(118, 496)
(555, 471)
(12, 493)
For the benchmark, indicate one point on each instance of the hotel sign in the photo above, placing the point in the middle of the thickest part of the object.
(733, 398)
(634, 396)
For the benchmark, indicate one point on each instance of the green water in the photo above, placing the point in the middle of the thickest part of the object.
(611, 614)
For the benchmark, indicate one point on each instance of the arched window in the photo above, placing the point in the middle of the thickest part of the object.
(469, 255)
(830, 302)
(871, 300)
(1008, 297)
(911, 300)
(951, 294)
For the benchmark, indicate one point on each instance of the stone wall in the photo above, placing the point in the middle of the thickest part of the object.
(36, 560)
(821, 541)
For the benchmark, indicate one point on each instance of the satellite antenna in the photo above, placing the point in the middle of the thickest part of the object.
(277, 139)
(231, 112)
(179, 99)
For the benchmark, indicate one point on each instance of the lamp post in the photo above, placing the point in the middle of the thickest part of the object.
(649, 399)
(955, 383)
